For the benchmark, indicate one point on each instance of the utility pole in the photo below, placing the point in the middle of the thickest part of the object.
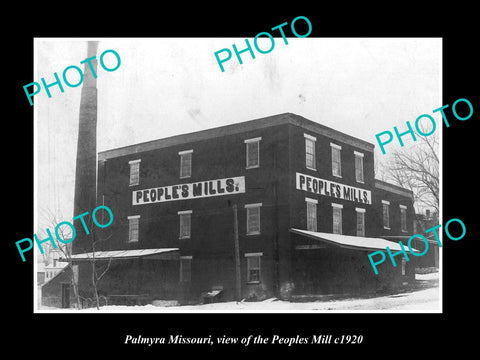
(276, 257)
(238, 277)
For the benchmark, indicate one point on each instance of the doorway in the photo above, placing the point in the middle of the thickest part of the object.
(65, 296)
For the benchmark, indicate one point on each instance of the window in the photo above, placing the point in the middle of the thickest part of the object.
(253, 267)
(386, 215)
(185, 163)
(337, 218)
(360, 221)
(404, 263)
(253, 152)
(310, 151)
(359, 166)
(133, 228)
(336, 161)
(185, 224)
(134, 172)
(311, 214)
(253, 218)
(185, 268)
(403, 218)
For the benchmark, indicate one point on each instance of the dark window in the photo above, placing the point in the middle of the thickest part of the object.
(185, 163)
(133, 228)
(310, 153)
(185, 224)
(134, 172)
(253, 268)
(253, 152)
(185, 269)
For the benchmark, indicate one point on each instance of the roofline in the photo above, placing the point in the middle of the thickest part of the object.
(260, 123)
(344, 246)
(57, 274)
(383, 185)
(121, 254)
(407, 237)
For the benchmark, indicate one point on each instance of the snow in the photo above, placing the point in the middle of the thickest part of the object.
(425, 297)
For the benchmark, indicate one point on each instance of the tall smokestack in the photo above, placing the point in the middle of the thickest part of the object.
(85, 172)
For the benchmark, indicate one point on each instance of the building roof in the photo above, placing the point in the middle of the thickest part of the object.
(58, 273)
(351, 242)
(122, 254)
(379, 184)
(265, 122)
(405, 238)
(58, 266)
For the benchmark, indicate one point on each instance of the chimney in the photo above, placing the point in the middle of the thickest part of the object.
(86, 165)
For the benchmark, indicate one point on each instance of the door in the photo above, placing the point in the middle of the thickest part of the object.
(65, 296)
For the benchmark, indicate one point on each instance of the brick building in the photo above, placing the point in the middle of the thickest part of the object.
(299, 200)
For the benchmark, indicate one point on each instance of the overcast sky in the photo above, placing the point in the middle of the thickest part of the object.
(169, 86)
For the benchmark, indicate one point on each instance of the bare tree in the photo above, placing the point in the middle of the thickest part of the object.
(416, 167)
(51, 219)
(98, 267)
(379, 167)
(98, 271)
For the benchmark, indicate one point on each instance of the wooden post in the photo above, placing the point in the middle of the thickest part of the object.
(238, 277)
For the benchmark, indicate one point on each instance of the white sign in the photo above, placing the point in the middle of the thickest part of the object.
(333, 189)
(202, 189)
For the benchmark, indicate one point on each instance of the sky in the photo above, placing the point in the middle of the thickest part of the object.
(170, 86)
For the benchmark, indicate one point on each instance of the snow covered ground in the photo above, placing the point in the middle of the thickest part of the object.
(423, 297)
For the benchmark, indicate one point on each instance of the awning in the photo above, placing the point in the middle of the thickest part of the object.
(404, 238)
(162, 254)
(352, 242)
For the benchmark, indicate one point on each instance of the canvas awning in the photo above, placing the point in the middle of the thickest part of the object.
(160, 254)
(352, 242)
